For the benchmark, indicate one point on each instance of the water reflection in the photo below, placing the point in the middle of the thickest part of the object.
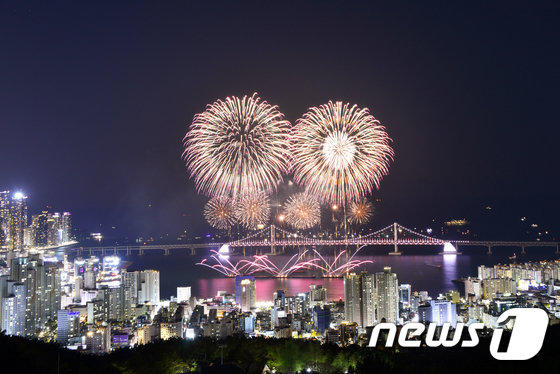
(267, 286)
(449, 270)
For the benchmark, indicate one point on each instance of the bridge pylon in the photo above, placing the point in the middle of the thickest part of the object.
(395, 240)
(272, 239)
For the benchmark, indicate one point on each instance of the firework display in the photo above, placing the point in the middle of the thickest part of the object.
(261, 264)
(339, 152)
(219, 213)
(237, 147)
(303, 211)
(338, 266)
(360, 212)
(252, 210)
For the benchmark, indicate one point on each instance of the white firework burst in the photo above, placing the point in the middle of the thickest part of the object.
(219, 213)
(303, 211)
(252, 210)
(340, 152)
(237, 147)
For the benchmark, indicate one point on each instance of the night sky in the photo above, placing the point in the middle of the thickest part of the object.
(96, 97)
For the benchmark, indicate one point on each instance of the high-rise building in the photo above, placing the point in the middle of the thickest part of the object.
(40, 228)
(359, 299)
(116, 303)
(473, 287)
(493, 286)
(53, 228)
(183, 294)
(29, 236)
(248, 295)
(131, 279)
(67, 325)
(89, 280)
(149, 287)
(321, 318)
(387, 296)
(42, 287)
(438, 311)
(13, 309)
(279, 299)
(296, 304)
(4, 218)
(348, 332)
(317, 295)
(485, 272)
(238, 287)
(66, 227)
(404, 296)
(17, 221)
(453, 296)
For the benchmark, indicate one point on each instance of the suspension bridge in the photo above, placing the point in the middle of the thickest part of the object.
(274, 237)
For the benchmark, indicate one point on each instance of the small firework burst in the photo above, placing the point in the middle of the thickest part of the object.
(302, 211)
(252, 210)
(219, 213)
(360, 212)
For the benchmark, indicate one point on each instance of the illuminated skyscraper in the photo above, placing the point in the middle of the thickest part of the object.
(183, 294)
(12, 305)
(131, 279)
(359, 299)
(438, 311)
(17, 221)
(387, 295)
(41, 285)
(41, 229)
(404, 296)
(149, 287)
(248, 295)
(238, 287)
(66, 227)
(317, 295)
(54, 229)
(4, 218)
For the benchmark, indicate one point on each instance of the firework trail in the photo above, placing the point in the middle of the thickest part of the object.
(303, 211)
(237, 147)
(333, 269)
(261, 264)
(360, 212)
(252, 210)
(219, 213)
(339, 152)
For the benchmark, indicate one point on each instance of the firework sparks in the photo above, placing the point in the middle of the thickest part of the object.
(334, 269)
(302, 211)
(261, 264)
(340, 152)
(237, 147)
(219, 213)
(360, 212)
(252, 210)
